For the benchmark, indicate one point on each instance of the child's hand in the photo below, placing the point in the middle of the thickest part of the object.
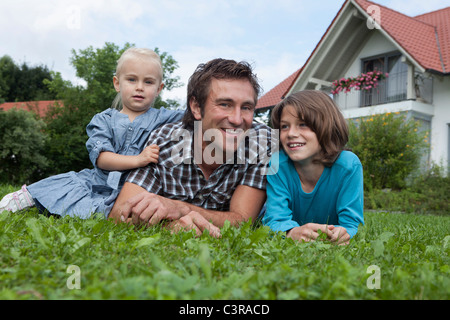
(149, 155)
(309, 231)
(340, 236)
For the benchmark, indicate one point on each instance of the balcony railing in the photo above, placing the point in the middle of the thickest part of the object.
(392, 89)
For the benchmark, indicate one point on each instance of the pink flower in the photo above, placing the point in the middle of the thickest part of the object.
(364, 81)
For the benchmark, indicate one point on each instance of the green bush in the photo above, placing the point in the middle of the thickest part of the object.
(389, 147)
(22, 141)
(426, 193)
(434, 186)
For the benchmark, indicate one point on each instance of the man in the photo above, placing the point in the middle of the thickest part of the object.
(213, 181)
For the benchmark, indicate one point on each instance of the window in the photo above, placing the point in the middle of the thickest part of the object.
(392, 88)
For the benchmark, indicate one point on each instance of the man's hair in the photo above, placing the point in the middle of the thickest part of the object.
(200, 82)
(322, 116)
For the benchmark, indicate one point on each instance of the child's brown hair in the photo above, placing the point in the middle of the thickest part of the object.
(322, 116)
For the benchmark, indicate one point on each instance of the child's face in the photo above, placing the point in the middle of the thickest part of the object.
(297, 139)
(139, 83)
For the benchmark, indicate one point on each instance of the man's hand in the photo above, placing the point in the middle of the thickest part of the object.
(148, 208)
(194, 221)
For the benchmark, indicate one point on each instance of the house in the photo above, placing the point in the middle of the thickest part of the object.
(414, 51)
(39, 107)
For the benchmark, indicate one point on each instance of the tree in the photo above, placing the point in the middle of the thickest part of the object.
(23, 83)
(8, 71)
(22, 141)
(97, 68)
(170, 82)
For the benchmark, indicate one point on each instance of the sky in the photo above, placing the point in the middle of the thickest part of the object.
(276, 37)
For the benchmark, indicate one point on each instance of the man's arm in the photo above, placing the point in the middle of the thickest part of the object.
(246, 203)
(128, 191)
(134, 204)
(142, 207)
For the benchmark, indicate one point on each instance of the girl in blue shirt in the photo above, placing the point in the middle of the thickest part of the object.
(313, 184)
(116, 139)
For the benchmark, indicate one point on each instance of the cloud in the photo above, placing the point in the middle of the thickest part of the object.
(45, 32)
(275, 36)
(271, 68)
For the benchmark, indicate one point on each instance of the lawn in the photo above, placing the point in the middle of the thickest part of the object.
(394, 256)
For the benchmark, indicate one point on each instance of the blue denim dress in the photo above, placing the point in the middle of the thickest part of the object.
(79, 194)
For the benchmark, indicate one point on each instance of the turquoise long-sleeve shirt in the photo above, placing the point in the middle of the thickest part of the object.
(337, 198)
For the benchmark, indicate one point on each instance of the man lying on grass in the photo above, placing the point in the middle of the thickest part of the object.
(210, 182)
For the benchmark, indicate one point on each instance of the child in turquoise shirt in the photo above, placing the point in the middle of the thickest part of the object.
(313, 184)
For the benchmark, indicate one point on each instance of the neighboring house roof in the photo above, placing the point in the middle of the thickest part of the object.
(425, 38)
(39, 107)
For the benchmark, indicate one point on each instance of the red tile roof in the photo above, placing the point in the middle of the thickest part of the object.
(417, 35)
(39, 107)
(426, 38)
(441, 20)
(273, 96)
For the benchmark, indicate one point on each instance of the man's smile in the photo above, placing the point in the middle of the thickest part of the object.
(233, 131)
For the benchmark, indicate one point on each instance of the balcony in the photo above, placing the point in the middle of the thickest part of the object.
(390, 90)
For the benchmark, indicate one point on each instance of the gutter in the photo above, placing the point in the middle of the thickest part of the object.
(440, 52)
(439, 73)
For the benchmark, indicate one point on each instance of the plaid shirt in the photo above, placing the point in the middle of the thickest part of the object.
(177, 176)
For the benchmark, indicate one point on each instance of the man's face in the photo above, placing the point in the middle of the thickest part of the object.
(228, 110)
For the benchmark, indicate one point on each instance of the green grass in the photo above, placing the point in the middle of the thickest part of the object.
(123, 262)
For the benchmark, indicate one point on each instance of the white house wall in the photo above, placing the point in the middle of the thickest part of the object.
(438, 112)
(441, 120)
(377, 44)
